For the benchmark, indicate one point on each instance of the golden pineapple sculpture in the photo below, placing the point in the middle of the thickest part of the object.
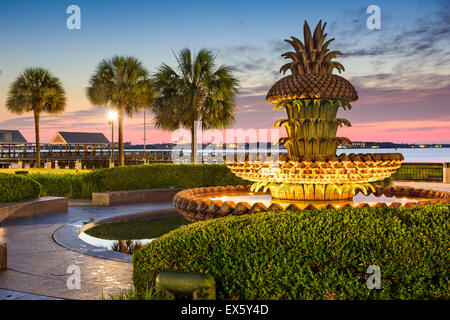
(311, 97)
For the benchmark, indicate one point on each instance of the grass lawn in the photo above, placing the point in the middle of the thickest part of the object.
(135, 230)
(42, 170)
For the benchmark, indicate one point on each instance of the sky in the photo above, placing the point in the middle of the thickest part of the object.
(401, 71)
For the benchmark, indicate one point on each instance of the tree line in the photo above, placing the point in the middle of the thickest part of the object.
(196, 89)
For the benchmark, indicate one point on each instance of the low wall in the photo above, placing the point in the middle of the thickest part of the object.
(32, 208)
(114, 198)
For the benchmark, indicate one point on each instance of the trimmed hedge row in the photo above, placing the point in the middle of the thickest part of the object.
(158, 176)
(82, 185)
(60, 185)
(310, 254)
(18, 187)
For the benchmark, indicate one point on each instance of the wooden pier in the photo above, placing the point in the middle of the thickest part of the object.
(69, 150)
(79, 159)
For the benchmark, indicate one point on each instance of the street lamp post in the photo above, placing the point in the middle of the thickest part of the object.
(112, 115)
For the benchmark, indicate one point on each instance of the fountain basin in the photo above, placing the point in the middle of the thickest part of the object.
(130, 232)
(216, 202)
(318, 178)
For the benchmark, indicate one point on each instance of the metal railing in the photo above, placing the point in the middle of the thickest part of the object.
(419, 171)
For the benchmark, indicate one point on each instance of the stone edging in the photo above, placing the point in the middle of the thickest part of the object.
(195, 209)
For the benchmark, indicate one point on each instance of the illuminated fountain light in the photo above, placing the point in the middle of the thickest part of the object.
(267, 200)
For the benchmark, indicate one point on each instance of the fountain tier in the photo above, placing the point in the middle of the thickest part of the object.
(333, 178)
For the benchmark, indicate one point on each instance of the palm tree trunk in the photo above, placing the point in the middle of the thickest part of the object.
(121, 152)
(38, 140)
(193, 144)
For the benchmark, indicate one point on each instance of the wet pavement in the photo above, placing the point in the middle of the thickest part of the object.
(46, 257)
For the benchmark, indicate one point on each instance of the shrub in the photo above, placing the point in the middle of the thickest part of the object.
(17, 187)
(159, 176)
(81, 185)
(310, 254)
(60, 185)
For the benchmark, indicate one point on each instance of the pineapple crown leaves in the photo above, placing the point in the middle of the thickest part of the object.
(312, 56)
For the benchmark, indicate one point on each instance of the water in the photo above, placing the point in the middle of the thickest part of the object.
(410, 154)
(146, 231)
(106, 244)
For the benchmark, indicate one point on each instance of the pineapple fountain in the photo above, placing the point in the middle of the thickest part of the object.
(311, 175)
(312, 96)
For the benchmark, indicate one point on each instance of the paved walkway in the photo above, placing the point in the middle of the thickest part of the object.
(16, 295)
(37, 264)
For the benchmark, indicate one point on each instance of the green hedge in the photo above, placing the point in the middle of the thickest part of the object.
(159, 176)
(310, 254)
(60, 185)
(82, 185)
(17, 187)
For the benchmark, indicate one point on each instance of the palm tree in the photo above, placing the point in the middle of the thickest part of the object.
(196, 91)
(36, 90)
(123, 83)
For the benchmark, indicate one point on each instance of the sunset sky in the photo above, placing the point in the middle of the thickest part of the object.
(401, 72)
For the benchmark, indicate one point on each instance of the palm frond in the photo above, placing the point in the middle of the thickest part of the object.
(197, 90)
(36, 90)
